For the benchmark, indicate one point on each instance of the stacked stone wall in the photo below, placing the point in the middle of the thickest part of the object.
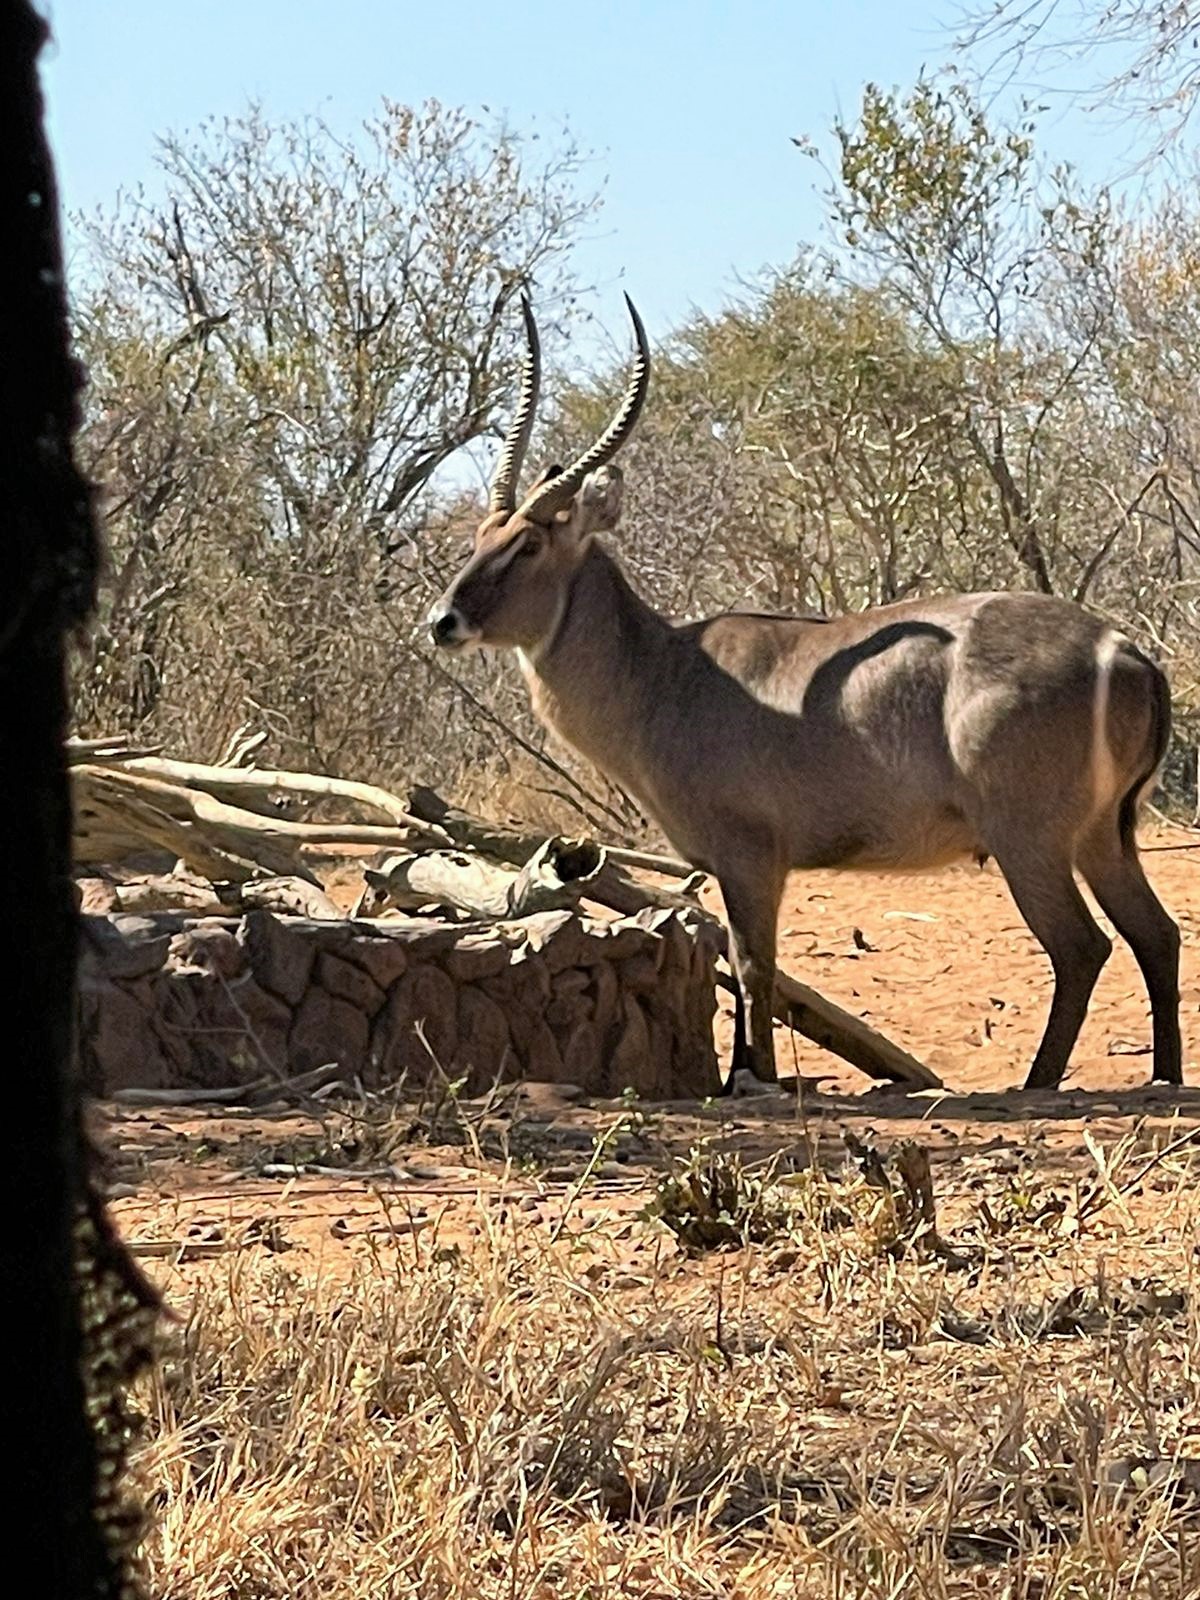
(170, 1001)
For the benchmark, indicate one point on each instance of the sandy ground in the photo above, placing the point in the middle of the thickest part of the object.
(945, 966)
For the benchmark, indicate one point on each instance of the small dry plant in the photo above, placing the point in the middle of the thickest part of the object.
(710, 1201)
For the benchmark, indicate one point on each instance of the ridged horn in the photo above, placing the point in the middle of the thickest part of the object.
(542, 504)
(502, 493)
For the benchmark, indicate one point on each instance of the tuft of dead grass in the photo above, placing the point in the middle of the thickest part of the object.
(509, 1404)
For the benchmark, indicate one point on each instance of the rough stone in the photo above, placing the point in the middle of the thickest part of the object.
(640, 973)
(659, 1068)
(581, 1058)
(232, 1032)
(174, 1001)
(543, 1063)
(131, 925)
(476, 956)
(281, 959)
(423, 999)
(571, 983)
(171, 1029)
(566, 940)
(565, 1010)
(531, 986)
(485, 1050)
(620, 940)
(383, 958)
(527, 1001)
(327, 1029)
(95, 897)
(579, 943)
(654, 918)
(348, 982)
(628, 1063)
(425, 938)
(605, 998)
(115, 1039)
(543, 926)
(105, 948)
(209, 947)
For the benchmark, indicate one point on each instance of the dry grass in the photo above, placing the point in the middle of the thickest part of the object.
(513, 1403)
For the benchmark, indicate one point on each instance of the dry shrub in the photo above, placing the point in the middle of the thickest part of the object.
(711, 1202)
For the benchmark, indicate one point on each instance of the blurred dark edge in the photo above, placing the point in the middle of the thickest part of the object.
(77, 1313)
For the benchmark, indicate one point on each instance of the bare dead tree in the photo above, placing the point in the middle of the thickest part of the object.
(1140, 57)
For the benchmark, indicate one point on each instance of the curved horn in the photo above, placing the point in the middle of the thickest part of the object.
(502, 495)
(551, 497)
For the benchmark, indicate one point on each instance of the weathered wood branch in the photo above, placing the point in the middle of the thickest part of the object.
(111, 823)
(231, 783)
(98, 752)
(515, 845)
(843, 1034)
(556, 875)
(117, 807)
(272, 1086)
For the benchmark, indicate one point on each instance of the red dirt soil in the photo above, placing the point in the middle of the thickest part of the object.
(944, 965)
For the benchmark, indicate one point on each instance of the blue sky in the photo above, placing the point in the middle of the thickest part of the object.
(688, 105)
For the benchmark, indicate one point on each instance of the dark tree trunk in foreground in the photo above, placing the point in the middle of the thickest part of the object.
(67, 1301)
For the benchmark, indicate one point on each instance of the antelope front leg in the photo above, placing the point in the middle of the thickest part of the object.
(752, 912)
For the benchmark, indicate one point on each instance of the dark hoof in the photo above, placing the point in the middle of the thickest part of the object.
(744, 1084)
(1042, 1080)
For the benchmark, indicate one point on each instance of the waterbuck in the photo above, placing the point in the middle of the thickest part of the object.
(1010, 726)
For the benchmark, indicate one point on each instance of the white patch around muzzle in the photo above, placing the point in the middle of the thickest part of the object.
(450, 630)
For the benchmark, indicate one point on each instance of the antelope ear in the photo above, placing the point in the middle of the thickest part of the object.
(598, 503)
(543, 477)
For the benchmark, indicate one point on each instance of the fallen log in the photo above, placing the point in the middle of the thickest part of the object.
(261, 843)
(99, 752)
(619, 891)
(233, 784)
(516, 846)
(843, 1034)
(216, 839)
(554, 878)
(111, 824)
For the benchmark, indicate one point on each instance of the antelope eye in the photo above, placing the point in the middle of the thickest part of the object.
(531, 545)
